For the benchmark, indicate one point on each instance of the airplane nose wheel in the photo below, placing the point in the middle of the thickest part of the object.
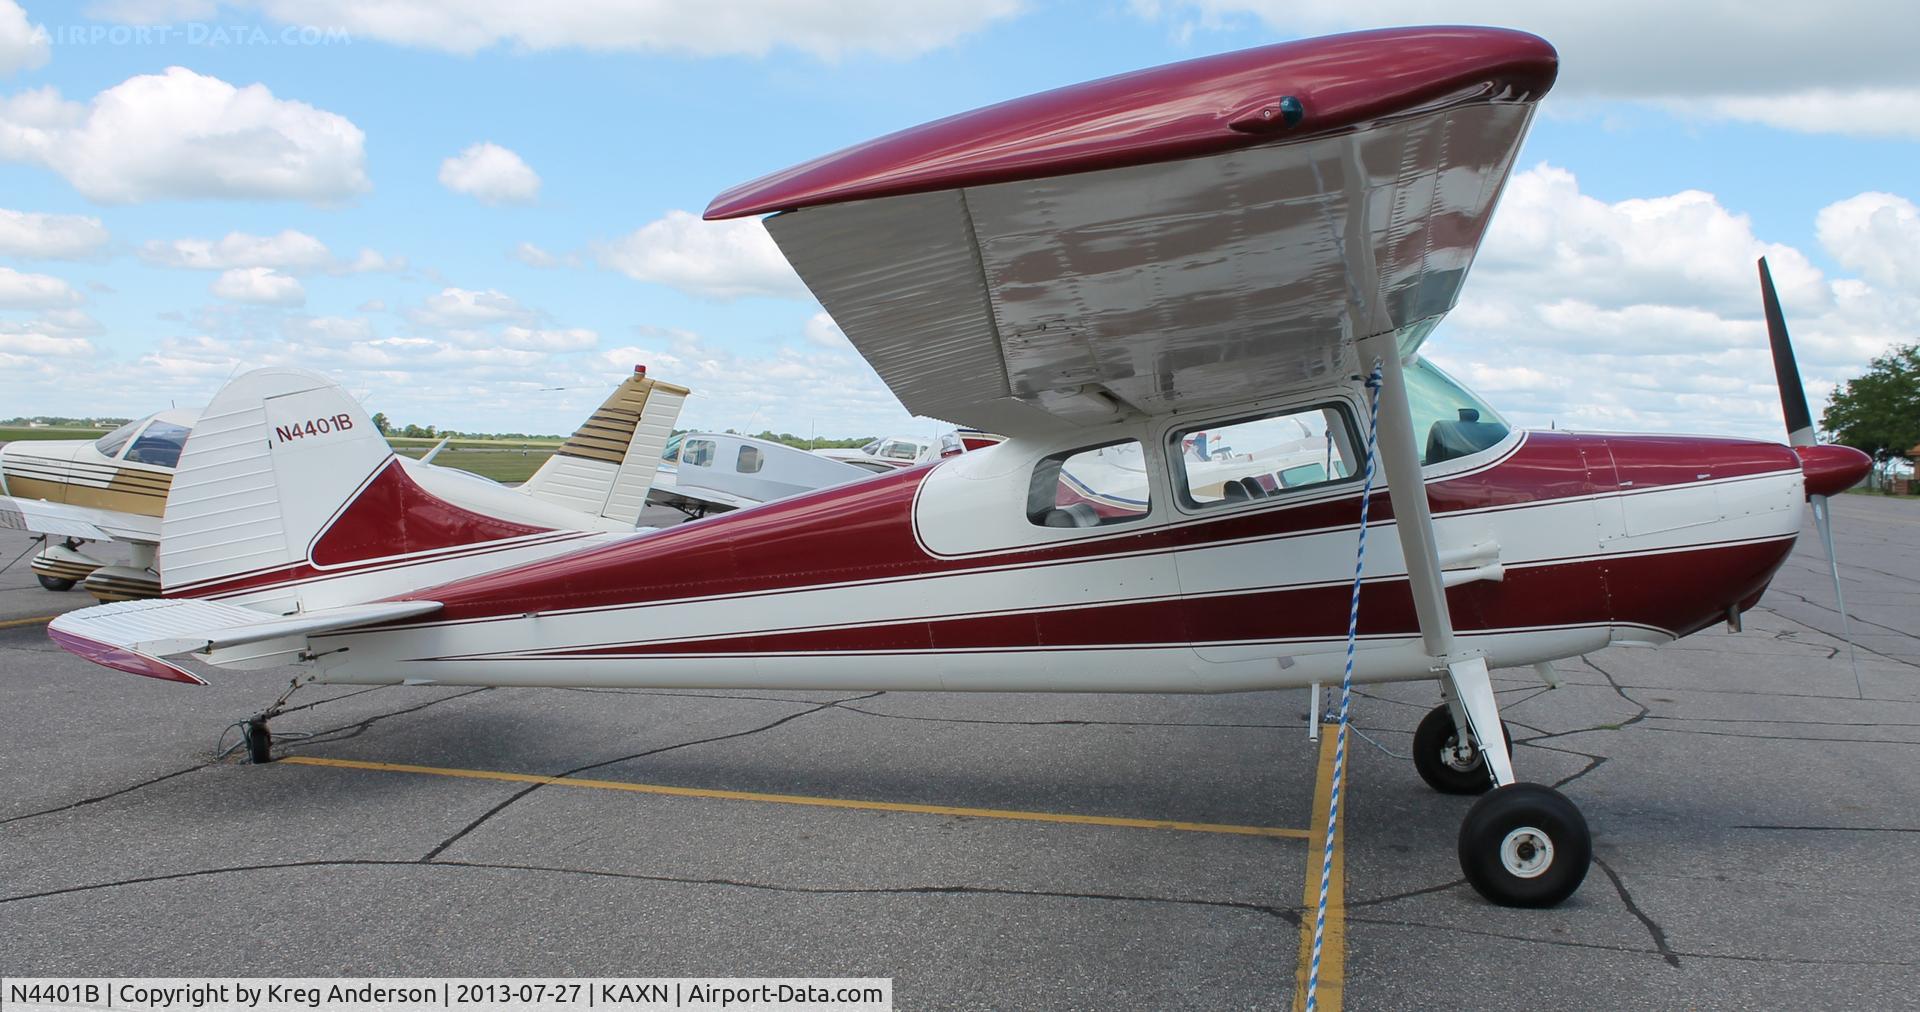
(1448, 760)
(54, 583)
(1525, 845)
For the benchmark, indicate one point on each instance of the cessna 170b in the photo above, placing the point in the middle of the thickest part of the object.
(1231, 245)
(115, 488)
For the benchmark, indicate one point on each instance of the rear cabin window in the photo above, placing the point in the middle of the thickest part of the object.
(160, 445)
(748, 461)
(899, 449)
(697, 452)
(1254, 458)
(1095, 487)
(672, 451)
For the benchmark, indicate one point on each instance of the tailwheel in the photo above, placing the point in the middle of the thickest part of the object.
(54, 583)
(1446, 759)
(1525, 845)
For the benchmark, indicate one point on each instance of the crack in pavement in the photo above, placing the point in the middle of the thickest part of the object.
(1781, 737)
(1291, 915)
(813, 708)
(96, 799)
(1457, 928)
(1836, 829)
(358, 726)
(1658, 933)
(1863, 648)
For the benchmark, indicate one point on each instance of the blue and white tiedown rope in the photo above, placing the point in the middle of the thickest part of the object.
(1346, 693)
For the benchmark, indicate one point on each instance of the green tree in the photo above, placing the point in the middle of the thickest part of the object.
(380, 422)
(1879, 412)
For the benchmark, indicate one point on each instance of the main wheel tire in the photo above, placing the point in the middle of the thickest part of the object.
(1437, 762)
(1525, 845)
(54, 583)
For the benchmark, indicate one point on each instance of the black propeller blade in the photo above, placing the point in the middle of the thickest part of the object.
(1800, 432)
(1786, 373)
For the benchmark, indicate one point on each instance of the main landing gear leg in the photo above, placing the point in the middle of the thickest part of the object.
(1521, 845)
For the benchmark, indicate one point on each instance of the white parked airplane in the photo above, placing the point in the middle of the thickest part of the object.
(713, 472)
(115, 488)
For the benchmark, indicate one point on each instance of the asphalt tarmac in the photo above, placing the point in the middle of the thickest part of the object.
(1755, 805)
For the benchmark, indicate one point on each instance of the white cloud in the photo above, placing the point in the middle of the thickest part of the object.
(823, 332)
(184, 135)
(1876, 234)
(826, 28)
(41, 236)
(260, 285)
(22, 46)
(714, 259)
(1845, 66)
(462, 307)
(792, 387)
(151, 12)
(490, 174)
(548, 339)
(289, 252)
(34, 291)
(1644, 314)
(44, 344)
(533, 256)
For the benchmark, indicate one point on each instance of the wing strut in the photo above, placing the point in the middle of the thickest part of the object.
(1521, 844)
(1470, 687)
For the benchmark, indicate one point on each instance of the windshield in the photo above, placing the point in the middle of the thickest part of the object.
(113, 442)
(1453, 422)
(160, 445)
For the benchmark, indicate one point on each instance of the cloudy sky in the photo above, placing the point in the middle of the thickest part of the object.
(478, 214)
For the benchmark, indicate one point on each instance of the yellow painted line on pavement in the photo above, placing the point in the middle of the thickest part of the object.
(1333, 948)
(36, 620)
(803, 799)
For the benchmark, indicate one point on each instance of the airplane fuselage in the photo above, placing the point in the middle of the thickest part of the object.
(935, 578)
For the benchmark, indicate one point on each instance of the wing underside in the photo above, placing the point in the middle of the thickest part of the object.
(1069, 300)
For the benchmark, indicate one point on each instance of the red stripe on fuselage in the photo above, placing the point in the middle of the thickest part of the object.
(1678, 592)
(865, 531)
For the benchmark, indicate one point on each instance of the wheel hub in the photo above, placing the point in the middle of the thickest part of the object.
(1526, 852)
(1461, 756)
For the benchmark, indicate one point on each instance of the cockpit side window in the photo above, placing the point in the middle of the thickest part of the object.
(113, 442)
(1094, 487)
(1232, 462)
(160, 445)
(672, 451)
(1448, 416)
(697, 453)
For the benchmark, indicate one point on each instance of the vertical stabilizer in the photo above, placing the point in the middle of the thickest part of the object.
(287, 498)
(608, 465)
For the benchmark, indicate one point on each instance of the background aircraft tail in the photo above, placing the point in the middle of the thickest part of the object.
(287, 498)
(608, 465)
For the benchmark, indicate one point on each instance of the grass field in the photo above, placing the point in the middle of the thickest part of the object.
(504, 463)
(10, 433)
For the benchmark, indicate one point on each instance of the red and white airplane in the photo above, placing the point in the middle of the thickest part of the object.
(1117, 266)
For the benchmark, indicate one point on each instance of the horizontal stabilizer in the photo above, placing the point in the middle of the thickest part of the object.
(63, 521)
(132, 636)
